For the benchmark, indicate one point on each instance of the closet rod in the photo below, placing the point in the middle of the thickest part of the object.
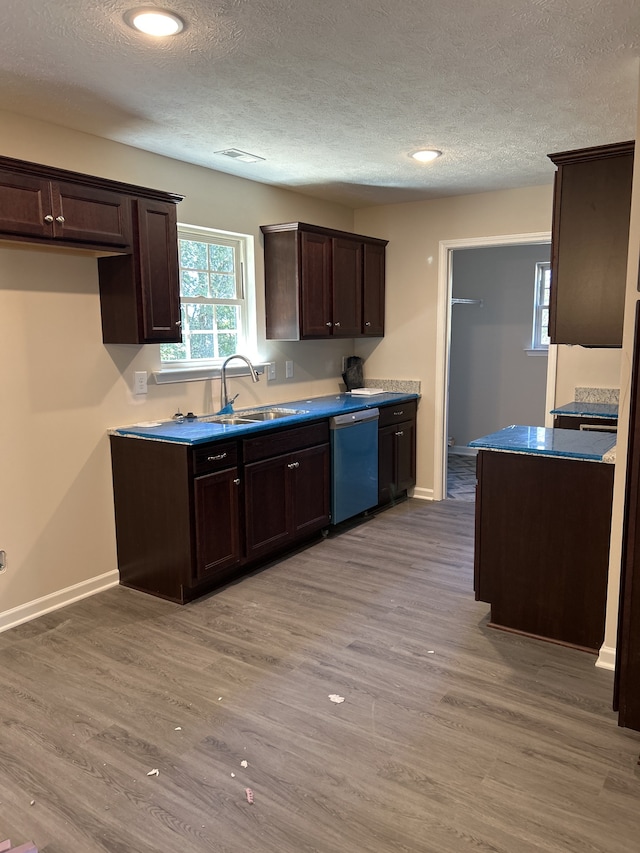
(455, 301)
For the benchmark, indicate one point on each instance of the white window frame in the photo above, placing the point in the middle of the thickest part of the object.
(243, 245)
(543, 268)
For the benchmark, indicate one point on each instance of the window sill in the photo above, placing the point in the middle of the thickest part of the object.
(536, 352)
(195, 374)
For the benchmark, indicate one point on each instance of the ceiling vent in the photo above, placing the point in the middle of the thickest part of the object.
(242, 156)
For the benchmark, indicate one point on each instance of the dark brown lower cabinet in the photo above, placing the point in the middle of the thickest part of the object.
(177, 513)
(217, 522)
(267, 506)
(287, 496)
(542, 545)
(190, 518)
(396, 451)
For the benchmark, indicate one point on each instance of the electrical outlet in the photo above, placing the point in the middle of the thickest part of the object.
(271, 371)
(288, 369)
(140, 382)
(3, 560)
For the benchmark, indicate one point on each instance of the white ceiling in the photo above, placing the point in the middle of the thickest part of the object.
(335, 94)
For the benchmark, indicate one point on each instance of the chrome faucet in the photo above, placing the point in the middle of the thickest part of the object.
(226, 405)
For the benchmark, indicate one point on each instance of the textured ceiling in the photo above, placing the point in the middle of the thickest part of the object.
(335, 94)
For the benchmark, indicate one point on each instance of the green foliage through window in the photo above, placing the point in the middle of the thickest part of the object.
(211, 297)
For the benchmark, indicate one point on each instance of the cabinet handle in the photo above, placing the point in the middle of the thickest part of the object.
(216, 458)
(400, 432)
(367, 324)
(237, 481)
(178, 322)
(293, 465)
(396, 414)
(60, 219)
(336, 325)
(329, 324)
(48, 218)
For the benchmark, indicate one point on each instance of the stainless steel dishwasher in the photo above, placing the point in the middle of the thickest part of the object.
(354, 463)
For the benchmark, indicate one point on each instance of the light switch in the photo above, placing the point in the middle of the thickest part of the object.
(288, 370)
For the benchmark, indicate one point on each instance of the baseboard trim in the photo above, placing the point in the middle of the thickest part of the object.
(422, 494)
(56, 600)
(607, 658)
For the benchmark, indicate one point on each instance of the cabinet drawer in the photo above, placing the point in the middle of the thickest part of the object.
(215, 457)
(284, 441)
(397, 412)
(573, 422)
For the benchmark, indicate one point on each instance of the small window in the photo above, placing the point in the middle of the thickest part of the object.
(541, 307)
(214, 302)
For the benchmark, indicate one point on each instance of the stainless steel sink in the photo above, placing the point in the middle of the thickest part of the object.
(271, 414)
(227, 419)
(252, 416)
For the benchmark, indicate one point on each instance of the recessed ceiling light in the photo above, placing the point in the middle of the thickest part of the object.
(426, 155)
(154, 22)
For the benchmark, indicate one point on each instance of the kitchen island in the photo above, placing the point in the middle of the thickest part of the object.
(543, 517)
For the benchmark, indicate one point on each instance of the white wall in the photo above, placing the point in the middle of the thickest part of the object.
(493, 382)
(414, 231)
(607, 653)
(578, 367)
(62, 388)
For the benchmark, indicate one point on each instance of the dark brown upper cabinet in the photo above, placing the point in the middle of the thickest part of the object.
(135, 226)
(590, 236)
(38, 208)
(373, 290)
(140, 291)
(322, 283)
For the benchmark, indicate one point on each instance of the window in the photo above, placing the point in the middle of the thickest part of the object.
(214, 301)
(540, 339)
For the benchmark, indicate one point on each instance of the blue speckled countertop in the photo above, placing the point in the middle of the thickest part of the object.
(199, 432)
(588, 410)
(543, 441)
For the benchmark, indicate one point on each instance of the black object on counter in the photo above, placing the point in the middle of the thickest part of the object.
(353, 376)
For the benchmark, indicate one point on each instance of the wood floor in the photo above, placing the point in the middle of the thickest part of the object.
(452, 737)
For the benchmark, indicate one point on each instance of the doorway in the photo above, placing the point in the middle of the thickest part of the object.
(481, 345)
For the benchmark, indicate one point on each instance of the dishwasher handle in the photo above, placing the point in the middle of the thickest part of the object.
(354, 418)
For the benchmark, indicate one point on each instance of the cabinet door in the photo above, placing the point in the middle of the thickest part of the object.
(315, 285)
(139, 292)
(158, 260)
(217, 522)
(268, 511)
(405, 455)
(373, 290)
(347, 287)
(91, 215)
(386, 464)
(396, 459)
(24, 204)
(592, 204)
(311, 473)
